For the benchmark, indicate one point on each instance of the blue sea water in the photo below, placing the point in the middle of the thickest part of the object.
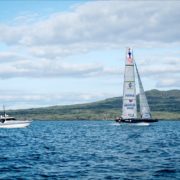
(91, 150)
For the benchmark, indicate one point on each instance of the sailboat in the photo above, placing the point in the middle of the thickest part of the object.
(7, 121)
(129, 109)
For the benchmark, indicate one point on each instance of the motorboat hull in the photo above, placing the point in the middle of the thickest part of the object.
(15, 124)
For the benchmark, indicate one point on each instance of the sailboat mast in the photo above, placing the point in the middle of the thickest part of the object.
(129, 89)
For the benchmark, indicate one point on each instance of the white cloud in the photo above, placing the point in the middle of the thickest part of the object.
(43, 43)
(169, 82)
(19, 99)
(89, 26)
(155, 70)
(35, 68)
(8, 56)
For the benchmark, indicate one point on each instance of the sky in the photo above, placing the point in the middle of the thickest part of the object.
(70, 52)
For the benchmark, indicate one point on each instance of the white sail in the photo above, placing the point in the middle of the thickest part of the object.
(144, 106)
(129, 90)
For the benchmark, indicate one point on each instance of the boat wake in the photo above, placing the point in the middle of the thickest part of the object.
(131, 124)
(142, 124)
(115, 124)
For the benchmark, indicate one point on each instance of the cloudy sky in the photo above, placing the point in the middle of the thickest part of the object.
(67, 52)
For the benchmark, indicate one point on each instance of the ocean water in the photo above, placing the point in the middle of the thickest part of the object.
(91, 150)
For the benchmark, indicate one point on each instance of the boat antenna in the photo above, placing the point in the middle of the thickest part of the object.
(4, 110)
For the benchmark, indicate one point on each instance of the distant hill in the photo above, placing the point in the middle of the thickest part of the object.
(163, 104)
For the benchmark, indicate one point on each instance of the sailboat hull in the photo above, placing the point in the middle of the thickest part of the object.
(136, 120)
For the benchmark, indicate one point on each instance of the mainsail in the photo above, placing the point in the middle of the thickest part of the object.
(144, 107)
(129, 89)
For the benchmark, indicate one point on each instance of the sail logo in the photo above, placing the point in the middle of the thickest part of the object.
(130, 85)
(129, 105)
(131, 115)
(132, 108)
(129, 56)
(129, 95)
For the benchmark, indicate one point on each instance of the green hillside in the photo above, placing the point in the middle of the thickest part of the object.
(163, 104)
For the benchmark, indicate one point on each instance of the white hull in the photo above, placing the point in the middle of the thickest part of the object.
(15, 124)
